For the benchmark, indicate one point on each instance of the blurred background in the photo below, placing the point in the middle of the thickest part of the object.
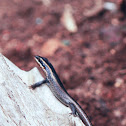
(84, 40)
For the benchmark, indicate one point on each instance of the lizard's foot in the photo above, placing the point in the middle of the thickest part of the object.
(73, 114)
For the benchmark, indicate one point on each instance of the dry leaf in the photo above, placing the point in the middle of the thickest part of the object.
(68, 20)
(51, 46)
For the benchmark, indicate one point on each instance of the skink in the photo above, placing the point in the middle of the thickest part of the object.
(57, 88)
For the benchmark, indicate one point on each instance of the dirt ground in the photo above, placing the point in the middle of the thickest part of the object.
(91, 62)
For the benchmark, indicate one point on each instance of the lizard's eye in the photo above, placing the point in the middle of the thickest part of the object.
(43, 67)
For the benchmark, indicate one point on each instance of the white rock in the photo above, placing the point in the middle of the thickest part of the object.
(22, 106)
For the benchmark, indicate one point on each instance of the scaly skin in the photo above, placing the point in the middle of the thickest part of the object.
(57, 88)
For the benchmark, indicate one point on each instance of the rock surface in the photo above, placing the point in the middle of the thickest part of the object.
(19, 105)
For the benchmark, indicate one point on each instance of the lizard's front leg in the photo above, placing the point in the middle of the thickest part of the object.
(38, 84)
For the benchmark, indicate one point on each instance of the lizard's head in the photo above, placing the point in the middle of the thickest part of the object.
(45, 65)
(43, 62)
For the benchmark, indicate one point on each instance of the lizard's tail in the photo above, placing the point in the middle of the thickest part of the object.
(82, 115)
